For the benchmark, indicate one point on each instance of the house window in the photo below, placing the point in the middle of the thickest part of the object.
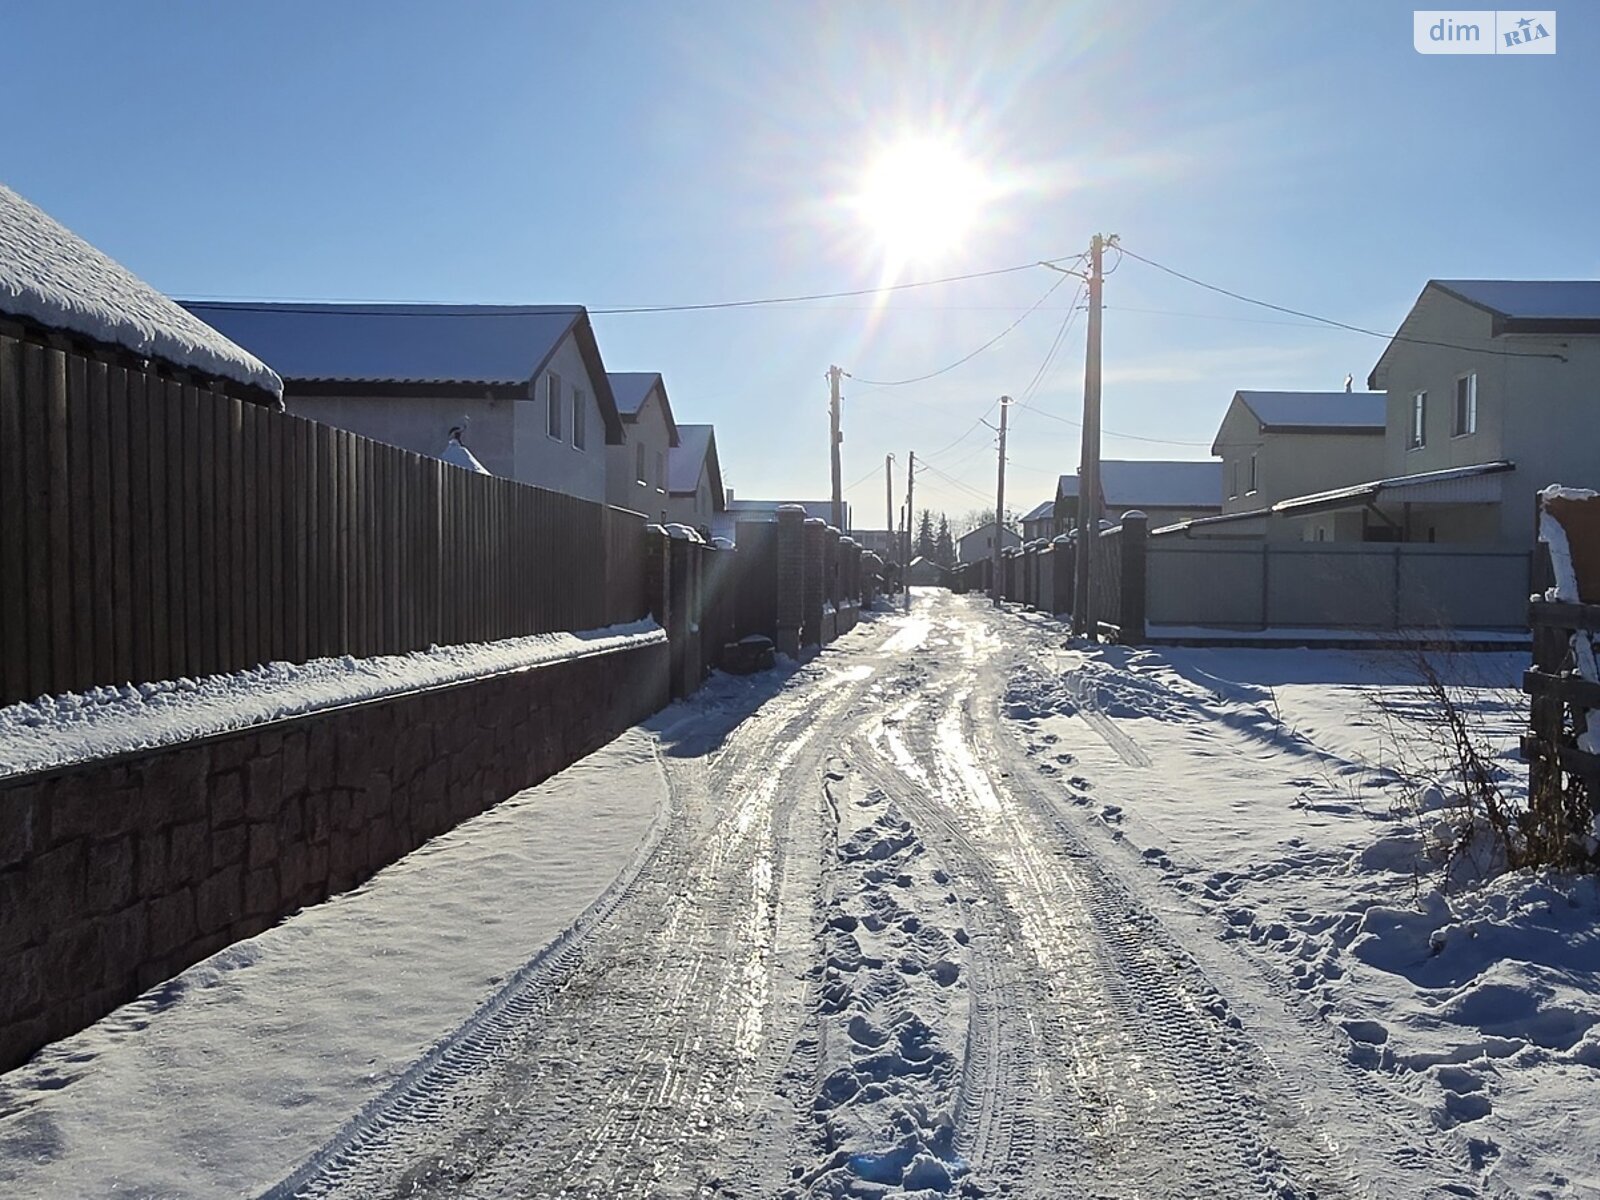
(1233, 480)
(552, 394)
(580, 435)
(1252, 475)
(1466, 414)
(661, 469)
(638, 462)
(1419, 421)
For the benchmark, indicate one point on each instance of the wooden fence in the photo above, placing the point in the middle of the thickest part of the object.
(152, 529)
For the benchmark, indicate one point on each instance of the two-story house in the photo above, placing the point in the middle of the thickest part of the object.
(636, 470)
(1165, 491)
(694, 479)
(1278, 445)
(524, 386)
(1491, 392)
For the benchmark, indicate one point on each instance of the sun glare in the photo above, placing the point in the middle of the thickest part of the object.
(920, 199)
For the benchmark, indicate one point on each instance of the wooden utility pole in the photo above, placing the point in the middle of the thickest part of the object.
(1089, 464)
(999, 505)
(834, 438)
(911, 516)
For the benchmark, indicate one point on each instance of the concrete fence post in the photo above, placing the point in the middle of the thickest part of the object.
(1135, 574)
(791, 579)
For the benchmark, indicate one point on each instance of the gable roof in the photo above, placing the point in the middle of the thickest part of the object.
(632, 388)
(697, 447)
(494, 345)
(1315, 411)
(1040, 511)
(52, 277)
(1516, 306)
(1132, 483)
(1008, 535)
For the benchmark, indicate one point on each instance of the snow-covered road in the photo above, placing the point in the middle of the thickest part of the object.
(957, 909)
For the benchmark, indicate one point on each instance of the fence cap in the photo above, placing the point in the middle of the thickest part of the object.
(1061, 539)
(1135, 515)
(817, 521)
(722, 543)
(792, 508)
(684, 533)
(848, 541)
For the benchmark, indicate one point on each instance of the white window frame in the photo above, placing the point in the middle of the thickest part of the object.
(580, 431)
(638, 463)
(1233, 479)
(552, 404)
(661, 471)
(1417, 432)
(1464, 419)
(1254, 478)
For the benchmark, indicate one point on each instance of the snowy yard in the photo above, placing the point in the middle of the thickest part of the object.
(956, 908)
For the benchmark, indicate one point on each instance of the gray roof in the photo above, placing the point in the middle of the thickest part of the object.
(51, 276)
(1151, 483)
(1041, 511)
(1317, 410)
(1008, 535)
(1538, 299)
(632, 389)
(696, 448)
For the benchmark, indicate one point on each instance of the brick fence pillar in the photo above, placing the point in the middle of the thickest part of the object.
(812, 586)
(791, 579)
(1061, 584)
(1135, 556)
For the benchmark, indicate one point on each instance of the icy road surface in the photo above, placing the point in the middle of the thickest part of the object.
(874, 952)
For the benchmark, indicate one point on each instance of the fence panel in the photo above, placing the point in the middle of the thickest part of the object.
(150, 528)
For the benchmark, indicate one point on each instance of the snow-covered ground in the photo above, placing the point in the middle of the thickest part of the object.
(957, 907)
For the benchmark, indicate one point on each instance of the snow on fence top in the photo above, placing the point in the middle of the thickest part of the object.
(50, 275)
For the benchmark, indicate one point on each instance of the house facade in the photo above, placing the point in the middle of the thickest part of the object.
(1040, 521)
(524, 387)
(1166, 491)
(636, 470)
(694, 493)
(1276, 445)
(976, 545)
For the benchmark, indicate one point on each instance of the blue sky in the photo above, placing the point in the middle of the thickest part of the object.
(618, 154)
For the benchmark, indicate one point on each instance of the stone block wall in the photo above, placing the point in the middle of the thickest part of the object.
(118, 874)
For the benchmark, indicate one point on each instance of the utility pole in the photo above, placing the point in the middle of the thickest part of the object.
(911, 515)
(1089, 464)
(834, 438)
(999, 505)
(888, 494)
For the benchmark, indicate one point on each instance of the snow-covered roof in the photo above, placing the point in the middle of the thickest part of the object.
(756, 510)
(1433, 485)
(474, 344)
(1041, 511)
(458, 455)
(696, 448)
(1151, 483)
(1539, 299)
(51, 276)
(633, 388)
(1318, 410)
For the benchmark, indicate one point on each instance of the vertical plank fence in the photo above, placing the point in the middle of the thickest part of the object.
(151, 528)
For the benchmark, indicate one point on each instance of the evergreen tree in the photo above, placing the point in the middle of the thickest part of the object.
(944, 546)
(925, 534)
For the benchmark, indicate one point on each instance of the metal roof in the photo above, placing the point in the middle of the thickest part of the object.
(696, 448)
(632, 388)
(51, 276)
(1152, 483)
(1352, 411)
(1539, 299)
(1453, 485)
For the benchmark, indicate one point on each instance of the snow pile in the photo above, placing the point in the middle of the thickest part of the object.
(458, 455)
(56, 730)
(50, 275)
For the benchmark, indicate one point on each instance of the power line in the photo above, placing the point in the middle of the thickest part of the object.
(870, 474)
(1295, 312)
(1061, 333)
(954, 482)
(966, 358)
(1132, 437)
(952, 445)
(387, 307)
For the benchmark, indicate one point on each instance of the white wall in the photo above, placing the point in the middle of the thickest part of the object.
(1289, 464)
(558, 465)
(623, 486)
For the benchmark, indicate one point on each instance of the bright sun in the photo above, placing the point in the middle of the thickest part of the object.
(920, 199)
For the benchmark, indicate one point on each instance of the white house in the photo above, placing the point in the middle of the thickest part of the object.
(694, 479)
(525, 386)
(1490, 395)
(1165, 491)
(636, 470)
(977, 545)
